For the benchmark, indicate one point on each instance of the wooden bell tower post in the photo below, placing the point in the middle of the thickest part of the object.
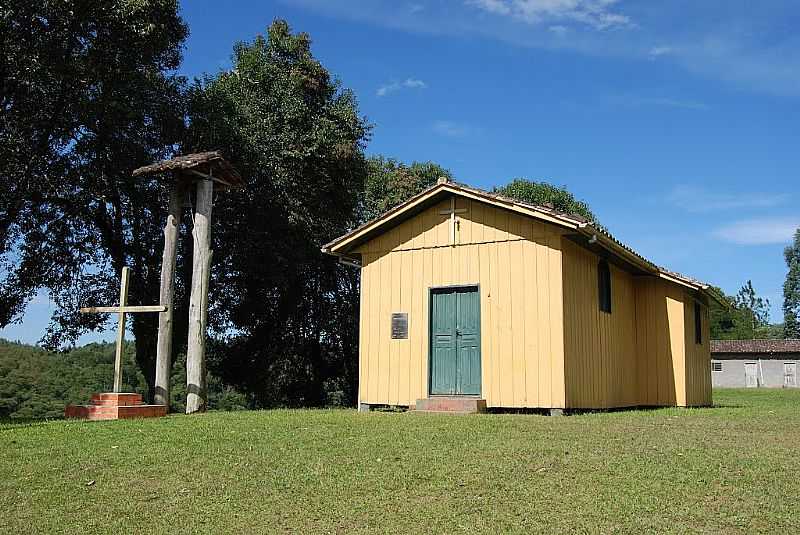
(199, 172)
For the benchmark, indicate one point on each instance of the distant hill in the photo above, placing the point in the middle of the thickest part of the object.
(35, 383)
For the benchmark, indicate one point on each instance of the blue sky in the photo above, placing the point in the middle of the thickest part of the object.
(676, 121)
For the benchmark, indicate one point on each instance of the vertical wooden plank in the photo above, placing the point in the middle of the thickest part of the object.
(504, 326)
(364, 329)
(123, 301)
(517, 280)
(656, 310)
(487, 356)
(531, 312)
(395, 279)
(556, 323)
(464, 227)
(385, 342)
(543, 303)
(404, 346)
(477, 215)
(416, 288)
(427, 278)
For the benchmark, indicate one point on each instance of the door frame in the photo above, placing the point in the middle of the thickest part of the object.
(434, 289)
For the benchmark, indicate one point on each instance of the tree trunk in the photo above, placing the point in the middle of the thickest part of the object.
(198, 303)
(166, 294)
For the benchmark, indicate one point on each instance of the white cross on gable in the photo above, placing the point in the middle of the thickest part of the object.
(452, 213)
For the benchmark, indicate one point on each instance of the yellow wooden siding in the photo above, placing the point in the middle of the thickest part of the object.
(673, 370)
(599, 348)
(698, 357)
(659, 347)
(515, 260)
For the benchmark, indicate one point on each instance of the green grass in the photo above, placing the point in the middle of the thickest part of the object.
(734, 468)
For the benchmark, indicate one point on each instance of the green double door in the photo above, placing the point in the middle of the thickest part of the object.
(455, 359)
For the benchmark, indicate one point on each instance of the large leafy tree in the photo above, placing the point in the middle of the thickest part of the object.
(542, 193)
(283, 315)
(88, 94)
(744, 315)
(390, 182)
(791, 290)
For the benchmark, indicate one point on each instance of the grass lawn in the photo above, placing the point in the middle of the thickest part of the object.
(729, 469)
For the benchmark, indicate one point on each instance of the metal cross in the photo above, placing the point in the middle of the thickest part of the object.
(453, 222)
(122, 309)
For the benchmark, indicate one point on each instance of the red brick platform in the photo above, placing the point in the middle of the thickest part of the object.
(115, 406)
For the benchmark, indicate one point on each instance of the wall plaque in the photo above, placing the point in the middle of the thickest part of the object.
(399, 325)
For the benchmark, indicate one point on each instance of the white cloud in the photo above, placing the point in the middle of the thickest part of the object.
(759, 231)
(698, 37)
(408, 83)
(499, 7)
(593, 13)
(637, 101)
(697, 200)
(658, 51)
(558, 29)
(453, 129)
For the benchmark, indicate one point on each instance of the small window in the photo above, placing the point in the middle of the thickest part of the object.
(604, 286)
(716, 366)
(698, 323)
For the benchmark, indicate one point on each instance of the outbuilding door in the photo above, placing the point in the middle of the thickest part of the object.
(750, 375)
(789, 374)
(455, 353)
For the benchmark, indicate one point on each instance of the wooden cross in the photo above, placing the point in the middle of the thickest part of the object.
(122, 309)
(453, 222)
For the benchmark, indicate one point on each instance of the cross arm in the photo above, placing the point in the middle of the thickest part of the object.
(126, 309)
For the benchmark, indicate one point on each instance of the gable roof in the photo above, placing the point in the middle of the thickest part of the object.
(209, 164)
(755, 346)
(342, 245)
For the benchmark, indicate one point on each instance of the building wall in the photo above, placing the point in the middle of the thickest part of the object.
(698, 356)
(643, 353)
(516, 261)
(599, 348)
(672, 369)
(732, 374)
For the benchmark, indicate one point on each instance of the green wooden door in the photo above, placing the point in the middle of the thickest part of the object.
(455, 360)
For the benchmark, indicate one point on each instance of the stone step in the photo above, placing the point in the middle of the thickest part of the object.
(444, 404)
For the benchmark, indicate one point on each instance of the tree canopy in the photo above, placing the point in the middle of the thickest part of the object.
(390, 182)
(542, 193)
(745, 316)
(88, 94)
(791, 289)
(283, 315)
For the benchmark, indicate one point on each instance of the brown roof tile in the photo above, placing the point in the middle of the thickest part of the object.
(755, 346)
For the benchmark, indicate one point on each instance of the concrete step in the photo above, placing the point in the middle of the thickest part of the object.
(445, 404)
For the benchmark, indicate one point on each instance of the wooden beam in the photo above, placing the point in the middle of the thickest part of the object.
(124, 309)
(166, 292)
(209, 177)
(198, 301)
(123, 301)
